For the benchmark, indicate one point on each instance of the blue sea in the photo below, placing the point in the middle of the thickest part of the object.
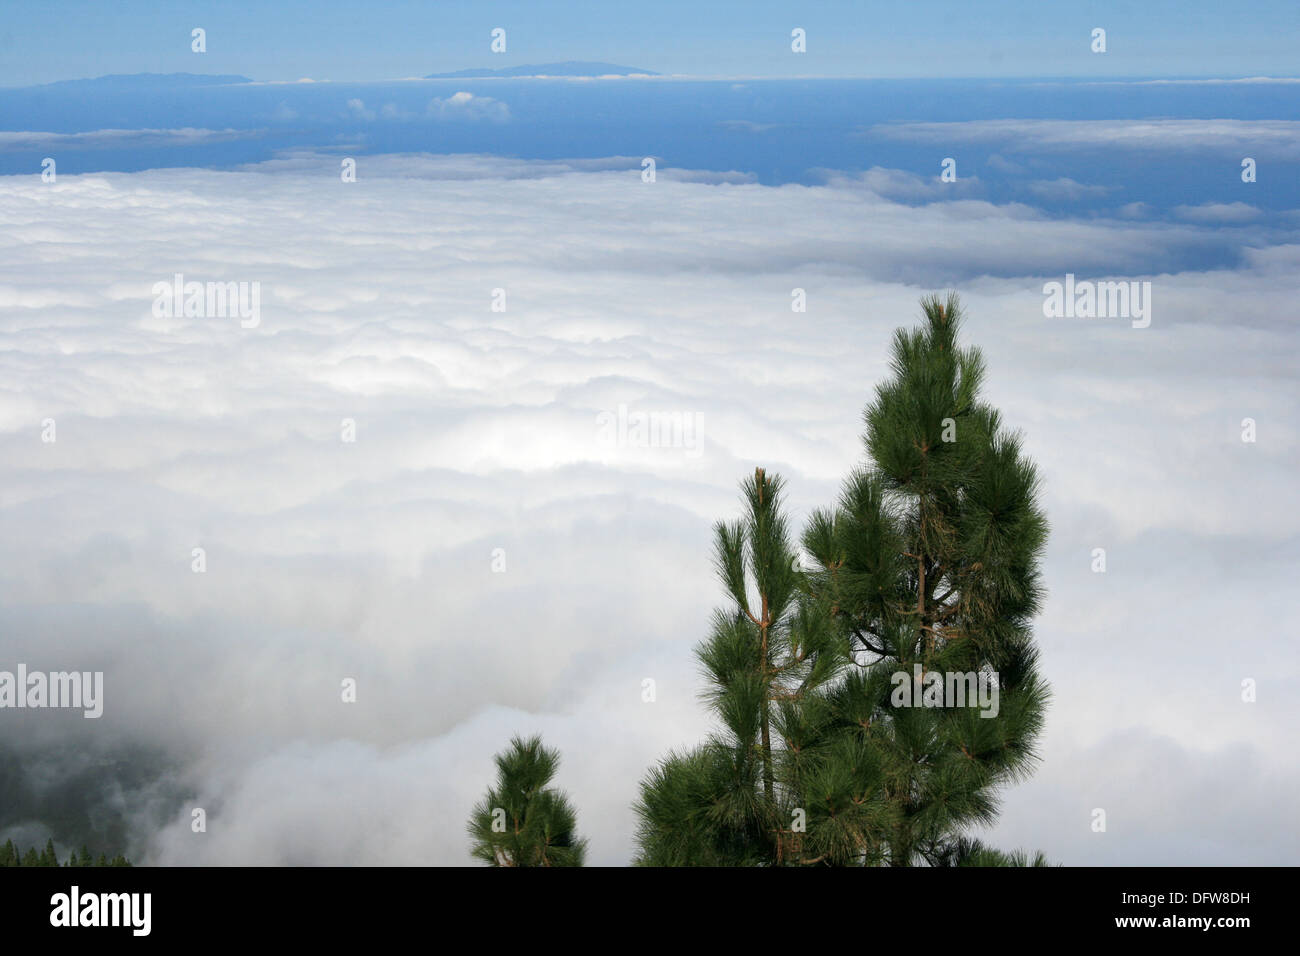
(770, 131)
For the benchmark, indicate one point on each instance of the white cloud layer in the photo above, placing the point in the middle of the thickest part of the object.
(478, 430)
(1225, 213)
(1066, 189)
(120, 138)
(1277, 138)
(460, 106)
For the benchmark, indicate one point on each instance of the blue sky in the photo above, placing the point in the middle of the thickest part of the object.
(358, 42)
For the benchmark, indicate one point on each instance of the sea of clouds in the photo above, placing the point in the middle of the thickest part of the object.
(479, 430)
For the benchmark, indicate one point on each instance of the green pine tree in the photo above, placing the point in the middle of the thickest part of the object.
(970, 852)
(11, 855)
(743, 797)
(521, 822)
(931, 561)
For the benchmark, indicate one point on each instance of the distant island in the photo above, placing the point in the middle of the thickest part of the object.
(150, 81)
(568, 68)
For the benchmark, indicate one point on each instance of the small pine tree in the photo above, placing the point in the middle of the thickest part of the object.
(780, 785)
(11, 855)
(520, 822)
(929, 563)
(966, 851)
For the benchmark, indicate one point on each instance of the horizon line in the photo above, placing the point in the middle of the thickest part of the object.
(1133, 79)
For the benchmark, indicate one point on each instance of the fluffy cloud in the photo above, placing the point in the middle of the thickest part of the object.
(747, 126)
(1279, 138)
(1226, 213)
(1066, 189)
(479, 430)
(902, 185)
(357, 108)
(465, 105)
(460, 106)
(120, 138)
